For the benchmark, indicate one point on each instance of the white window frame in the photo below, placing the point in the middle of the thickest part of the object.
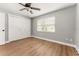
(43, 24)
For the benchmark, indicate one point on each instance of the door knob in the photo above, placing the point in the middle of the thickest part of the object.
(3, 30)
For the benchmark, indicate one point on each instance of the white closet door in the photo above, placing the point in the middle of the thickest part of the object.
(19, 27)
(2, 28)
(11, 35)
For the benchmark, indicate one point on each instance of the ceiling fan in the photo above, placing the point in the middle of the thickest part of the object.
(28, 7)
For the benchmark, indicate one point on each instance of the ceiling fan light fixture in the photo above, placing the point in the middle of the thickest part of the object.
(28, 7)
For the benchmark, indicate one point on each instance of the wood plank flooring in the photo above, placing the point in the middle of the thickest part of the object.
(36, 47)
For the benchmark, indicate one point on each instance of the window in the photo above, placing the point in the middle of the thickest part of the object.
(46, 25)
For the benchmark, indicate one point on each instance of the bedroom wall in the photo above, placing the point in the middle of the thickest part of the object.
(77, 30)
(65, 25)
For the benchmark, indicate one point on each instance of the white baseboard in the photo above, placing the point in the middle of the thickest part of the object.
(8, 41)
(12, 41)
(71, 45)
(2, 43)
(77, 49)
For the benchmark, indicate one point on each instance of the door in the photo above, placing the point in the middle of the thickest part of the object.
(2, 28)
(19, 27)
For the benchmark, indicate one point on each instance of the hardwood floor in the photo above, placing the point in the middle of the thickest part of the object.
(36, 47)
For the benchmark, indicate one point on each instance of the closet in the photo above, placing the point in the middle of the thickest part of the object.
(13, 27)
(19, 27)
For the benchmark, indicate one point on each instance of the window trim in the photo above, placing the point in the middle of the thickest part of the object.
(49, 25)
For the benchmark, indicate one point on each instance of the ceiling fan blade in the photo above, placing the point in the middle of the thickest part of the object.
(35, 8)
(22, 4)
(31, 12)
(22, 9)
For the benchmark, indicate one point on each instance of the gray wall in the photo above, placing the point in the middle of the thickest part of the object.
(77, 28)
(65, 25)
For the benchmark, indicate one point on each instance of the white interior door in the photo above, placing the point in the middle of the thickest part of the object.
(2, 28)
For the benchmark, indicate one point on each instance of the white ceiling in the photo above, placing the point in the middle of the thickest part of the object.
(45, 8)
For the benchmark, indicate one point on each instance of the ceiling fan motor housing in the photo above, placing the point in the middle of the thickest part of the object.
(28, 5)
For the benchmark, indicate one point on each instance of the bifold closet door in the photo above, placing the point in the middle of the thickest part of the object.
(19, 27)
(2, 28)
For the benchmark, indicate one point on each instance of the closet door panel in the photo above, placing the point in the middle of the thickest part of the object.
(19, 27)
